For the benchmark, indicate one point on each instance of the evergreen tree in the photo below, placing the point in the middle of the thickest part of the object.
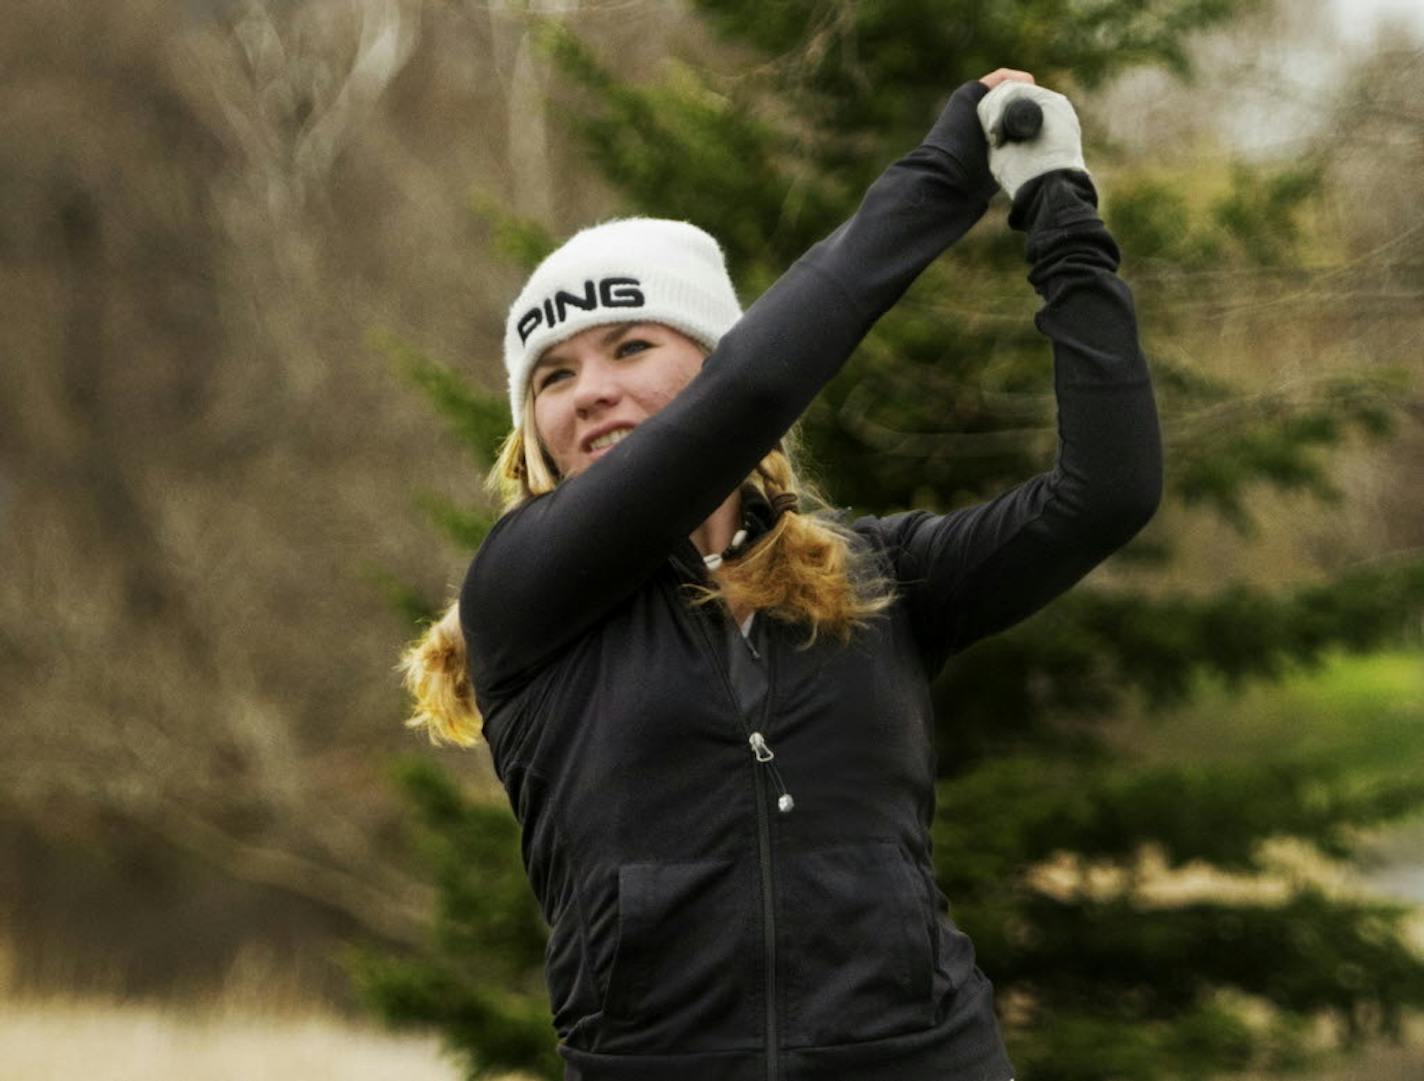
(949, 402)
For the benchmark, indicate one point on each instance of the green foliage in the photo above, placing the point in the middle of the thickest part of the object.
(1138, 992)
(466, 528)
(477, 419)
(1256, 223)
(1241, 632)
(1151, 221)
(885, 63)
(683, 150)
(1307, 955)
(1223, 444)
(1114, 811)
(522, 241)
(1260, 213)
(1069, 1045)
(479, 978)
(948, 402)
(1086, 652)
(410, 604)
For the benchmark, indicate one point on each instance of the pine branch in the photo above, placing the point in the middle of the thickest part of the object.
(1115, 813)
(480, 420)
(1161, 644)
(1313, 953)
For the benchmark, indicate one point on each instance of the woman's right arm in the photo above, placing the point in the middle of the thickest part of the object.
(553, 567)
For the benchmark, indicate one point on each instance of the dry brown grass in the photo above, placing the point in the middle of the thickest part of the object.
(261, 1026)
(99, 1040)
(1381, 1061)
(102, 1040)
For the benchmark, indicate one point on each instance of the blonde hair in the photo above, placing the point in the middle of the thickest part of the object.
(803, 571)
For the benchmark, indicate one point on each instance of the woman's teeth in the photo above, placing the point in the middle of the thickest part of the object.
(609, 438)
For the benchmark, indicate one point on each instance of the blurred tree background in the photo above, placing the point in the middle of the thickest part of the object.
(246, 245)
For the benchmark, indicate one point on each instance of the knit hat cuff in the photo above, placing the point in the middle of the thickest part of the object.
(643, 270)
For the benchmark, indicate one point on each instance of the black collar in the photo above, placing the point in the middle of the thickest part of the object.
(758, 516)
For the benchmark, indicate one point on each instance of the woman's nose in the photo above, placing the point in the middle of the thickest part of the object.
(597, 387)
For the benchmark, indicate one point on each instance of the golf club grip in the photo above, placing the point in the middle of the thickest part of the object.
(1022, 120)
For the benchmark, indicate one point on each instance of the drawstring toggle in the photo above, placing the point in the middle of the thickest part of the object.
(764, 753)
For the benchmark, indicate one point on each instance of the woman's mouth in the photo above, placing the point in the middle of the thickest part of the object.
(607, 439)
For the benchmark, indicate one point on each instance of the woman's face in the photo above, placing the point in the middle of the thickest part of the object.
(603, 382)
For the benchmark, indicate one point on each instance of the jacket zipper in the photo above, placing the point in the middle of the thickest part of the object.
(762, 754)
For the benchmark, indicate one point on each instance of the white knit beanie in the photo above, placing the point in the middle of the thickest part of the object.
(651, 270)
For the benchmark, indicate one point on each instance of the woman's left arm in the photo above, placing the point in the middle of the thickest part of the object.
(980, 569)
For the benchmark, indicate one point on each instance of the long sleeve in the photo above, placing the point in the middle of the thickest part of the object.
(980, 569)
(554, 566)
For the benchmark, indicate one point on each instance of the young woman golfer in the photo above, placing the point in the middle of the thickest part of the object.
(709, 700)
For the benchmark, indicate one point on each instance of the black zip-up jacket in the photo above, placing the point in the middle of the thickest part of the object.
(699, 932)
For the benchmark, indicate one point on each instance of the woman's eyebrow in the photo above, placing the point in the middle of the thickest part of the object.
(615, 332)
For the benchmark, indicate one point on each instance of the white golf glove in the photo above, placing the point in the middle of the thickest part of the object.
(1059, 144)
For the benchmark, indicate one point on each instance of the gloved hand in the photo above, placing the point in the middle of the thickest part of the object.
(1058, 145)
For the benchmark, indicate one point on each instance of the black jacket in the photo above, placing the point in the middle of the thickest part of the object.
(697, 931)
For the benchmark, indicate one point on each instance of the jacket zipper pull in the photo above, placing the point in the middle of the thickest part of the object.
(763, 753)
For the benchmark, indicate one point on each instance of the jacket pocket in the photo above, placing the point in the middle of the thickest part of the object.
(953, 951)
(855, 948)
(685, 967)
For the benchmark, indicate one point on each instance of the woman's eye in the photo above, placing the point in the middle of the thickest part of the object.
(552, 376)
(630, 342)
